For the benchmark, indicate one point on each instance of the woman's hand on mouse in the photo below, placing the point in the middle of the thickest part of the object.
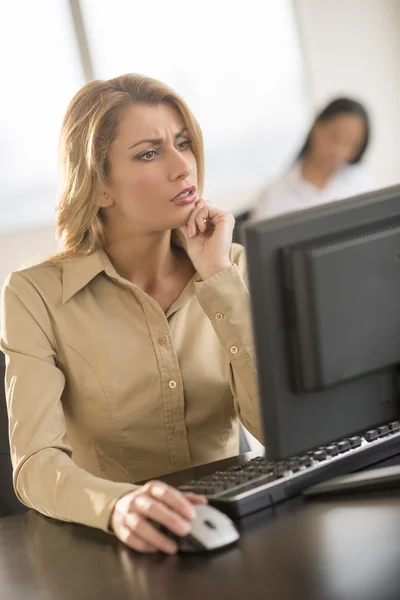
(161, 504)
(208, 236)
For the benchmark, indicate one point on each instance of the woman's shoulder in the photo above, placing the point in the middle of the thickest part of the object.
(283, 180)
(357, 177)
(42, 277)
(274, 197)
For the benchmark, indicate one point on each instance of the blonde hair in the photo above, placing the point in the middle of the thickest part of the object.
(88, 129)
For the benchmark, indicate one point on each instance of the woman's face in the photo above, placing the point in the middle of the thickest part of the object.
(337, 141)
(151, 164)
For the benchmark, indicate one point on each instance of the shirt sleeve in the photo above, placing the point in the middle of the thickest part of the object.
(224, 298)
(44, 474)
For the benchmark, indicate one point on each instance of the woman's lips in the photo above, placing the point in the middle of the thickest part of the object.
(187, 196)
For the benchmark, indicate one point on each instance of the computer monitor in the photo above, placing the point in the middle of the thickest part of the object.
(325, 294)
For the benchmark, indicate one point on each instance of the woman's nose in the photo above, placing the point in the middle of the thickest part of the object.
(179, 165)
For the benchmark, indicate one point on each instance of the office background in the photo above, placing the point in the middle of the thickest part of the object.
(254, 73)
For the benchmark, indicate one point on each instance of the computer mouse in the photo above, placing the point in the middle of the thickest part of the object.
(211, 530)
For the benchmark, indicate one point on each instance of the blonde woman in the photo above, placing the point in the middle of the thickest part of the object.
(129, 354)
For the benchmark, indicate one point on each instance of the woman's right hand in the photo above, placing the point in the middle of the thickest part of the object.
(160, 503)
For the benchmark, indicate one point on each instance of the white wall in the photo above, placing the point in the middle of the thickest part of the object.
(353, 47)
(16, 249)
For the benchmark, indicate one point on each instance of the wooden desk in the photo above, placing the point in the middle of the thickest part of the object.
(326, 550)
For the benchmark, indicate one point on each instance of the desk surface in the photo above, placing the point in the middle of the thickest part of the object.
(347, 549)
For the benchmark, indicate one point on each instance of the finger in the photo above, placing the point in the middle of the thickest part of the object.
(133, 541)
(153, 509)
(195, 498)
(149, 534)
(172, 498)
(202, 219)
(192, 219)
(221, 218)
(214, 213)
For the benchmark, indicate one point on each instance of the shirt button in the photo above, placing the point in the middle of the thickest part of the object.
(234, 349)
(172, 384)
(177, 432)
(162, 339)
(219, 316)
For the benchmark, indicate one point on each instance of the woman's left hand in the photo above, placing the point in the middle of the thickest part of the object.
(208, 238)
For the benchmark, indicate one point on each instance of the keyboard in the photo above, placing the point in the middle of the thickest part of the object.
(245, 488)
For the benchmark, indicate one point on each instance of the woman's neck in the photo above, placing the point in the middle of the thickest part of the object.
(316, 173)
(142, 259)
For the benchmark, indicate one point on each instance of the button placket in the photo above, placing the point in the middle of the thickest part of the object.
(173, 396)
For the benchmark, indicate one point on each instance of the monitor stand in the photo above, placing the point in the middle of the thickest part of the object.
(357, 483)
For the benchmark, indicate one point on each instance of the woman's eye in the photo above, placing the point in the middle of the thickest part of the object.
(147, 156)
(184, 145)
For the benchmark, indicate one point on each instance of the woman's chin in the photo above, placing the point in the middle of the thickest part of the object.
(180, 222)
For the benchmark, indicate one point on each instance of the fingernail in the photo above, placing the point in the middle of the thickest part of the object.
(186, 529)
(158, 491)
(171, 548)
(191, 513)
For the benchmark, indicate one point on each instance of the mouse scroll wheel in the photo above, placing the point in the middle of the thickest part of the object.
(209, 524)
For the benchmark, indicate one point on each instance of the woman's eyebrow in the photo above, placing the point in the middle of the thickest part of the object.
(158, 141)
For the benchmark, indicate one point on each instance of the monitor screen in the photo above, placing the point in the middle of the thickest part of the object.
(325, 294)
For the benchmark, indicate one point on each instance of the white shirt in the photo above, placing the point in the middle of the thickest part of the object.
(291, 192)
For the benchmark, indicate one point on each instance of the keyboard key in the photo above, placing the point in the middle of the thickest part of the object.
(280, 471)
(371, 435)
(239, 480)
(332, 450)
(257, 471)
(355, 441)
(383, 430)
(320, 455)
(293, 465)
(344, 446)
(394, 426)
(305, 461)
(265, 470)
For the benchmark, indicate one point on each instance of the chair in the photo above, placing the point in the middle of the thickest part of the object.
(240, 219)
(9, 503)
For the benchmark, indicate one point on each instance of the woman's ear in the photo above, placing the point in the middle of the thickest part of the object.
(105, 200)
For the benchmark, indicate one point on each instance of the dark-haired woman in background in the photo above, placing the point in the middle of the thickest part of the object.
(328, 165)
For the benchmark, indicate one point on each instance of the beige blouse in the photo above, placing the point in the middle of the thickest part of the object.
(104, 389)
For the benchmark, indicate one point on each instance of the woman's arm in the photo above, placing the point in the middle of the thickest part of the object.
(224, 297)
(45, 477)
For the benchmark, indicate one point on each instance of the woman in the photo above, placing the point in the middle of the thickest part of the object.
(328, 165)
(129, 354)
